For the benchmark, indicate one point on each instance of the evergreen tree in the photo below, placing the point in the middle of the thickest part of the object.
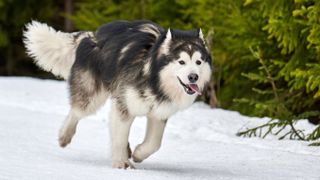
(13, 16)
(280, 57)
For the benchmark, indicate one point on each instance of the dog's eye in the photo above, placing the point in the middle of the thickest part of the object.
(182, 62)
(198, 62)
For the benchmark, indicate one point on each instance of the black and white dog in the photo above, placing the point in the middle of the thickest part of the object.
(143, 68)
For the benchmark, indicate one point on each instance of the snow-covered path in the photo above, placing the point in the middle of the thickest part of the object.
(199, 143)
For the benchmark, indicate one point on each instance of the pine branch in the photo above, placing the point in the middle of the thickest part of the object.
(269, 76)
(282, 111)
(315, 144)
(296, 132)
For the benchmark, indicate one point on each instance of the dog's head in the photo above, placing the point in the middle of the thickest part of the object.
(186, 63)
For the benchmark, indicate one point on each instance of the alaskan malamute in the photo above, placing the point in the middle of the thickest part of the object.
(143, 68)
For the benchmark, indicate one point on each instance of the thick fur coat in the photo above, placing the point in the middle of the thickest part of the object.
(144, 69)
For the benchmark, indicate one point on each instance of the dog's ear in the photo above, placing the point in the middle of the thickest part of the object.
(168, 37)
(166, 42)
(200, 34)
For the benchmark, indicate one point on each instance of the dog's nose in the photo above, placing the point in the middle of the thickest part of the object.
(193, 77)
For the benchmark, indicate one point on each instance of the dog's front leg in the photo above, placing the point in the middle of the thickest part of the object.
(152, 140)
(120, 124)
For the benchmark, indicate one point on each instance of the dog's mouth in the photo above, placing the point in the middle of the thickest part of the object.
(190, 88)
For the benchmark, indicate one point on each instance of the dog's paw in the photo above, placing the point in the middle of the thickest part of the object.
(65, 136)
(122, 165)
(64, 140)
(136, 159)
(137, 155)
(143, 151)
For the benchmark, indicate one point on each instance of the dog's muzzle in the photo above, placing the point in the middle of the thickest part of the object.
(190, 88)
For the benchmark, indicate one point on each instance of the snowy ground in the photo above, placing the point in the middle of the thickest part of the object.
(199, 143)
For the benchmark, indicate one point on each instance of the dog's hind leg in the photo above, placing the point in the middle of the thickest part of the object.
(120, 124)
(76, 113)
(69, 126)
(152, 140)
(86, 98)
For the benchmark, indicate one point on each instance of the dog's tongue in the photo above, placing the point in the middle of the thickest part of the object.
(195, 88)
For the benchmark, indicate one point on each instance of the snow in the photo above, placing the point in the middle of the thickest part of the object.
(199, 143)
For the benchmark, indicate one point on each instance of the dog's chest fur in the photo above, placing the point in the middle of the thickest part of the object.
(138, 105)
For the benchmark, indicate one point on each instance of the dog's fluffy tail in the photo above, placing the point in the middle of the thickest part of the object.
(52, 50)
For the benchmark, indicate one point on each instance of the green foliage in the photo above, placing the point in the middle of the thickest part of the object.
(276, 107)
(286, 79)
(91, 14)
(14, 14)
(308, 78)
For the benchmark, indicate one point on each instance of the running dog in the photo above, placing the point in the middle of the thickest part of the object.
(144, 69)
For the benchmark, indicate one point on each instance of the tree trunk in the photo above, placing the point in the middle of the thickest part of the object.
(9, 62)
(210, 93)
(68, 9)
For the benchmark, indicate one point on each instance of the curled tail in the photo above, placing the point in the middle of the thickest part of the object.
(52, 50)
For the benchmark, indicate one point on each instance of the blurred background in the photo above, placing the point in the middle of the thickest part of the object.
(266, 53)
